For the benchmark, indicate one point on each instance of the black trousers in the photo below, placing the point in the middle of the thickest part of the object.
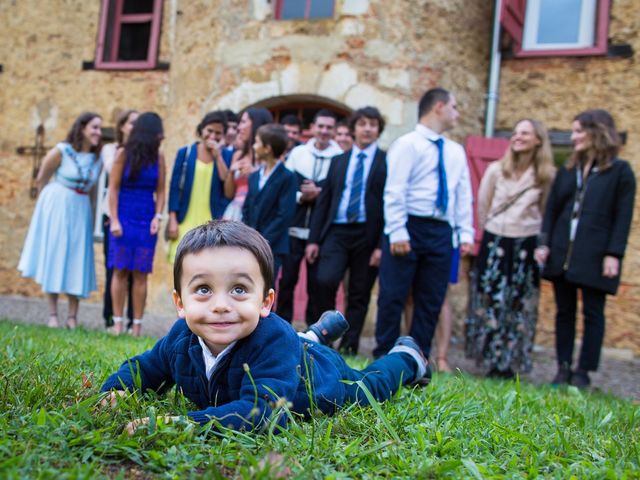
(289, 279)
(346, 247)
(107, 308)
(593, 302)
(426, 269)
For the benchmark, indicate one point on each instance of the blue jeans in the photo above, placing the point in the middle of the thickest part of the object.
(383, 377)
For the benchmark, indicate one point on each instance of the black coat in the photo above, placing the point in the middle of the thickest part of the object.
(271, 210)
(603, 227)
(328, 201)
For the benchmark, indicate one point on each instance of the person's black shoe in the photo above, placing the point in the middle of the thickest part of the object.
(501, 374)
(408, 345)
(580, 378)
(330, 327)
(563, 377)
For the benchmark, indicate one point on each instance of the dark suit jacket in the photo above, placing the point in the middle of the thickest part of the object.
(328, 201)
(271, 210)
(603, 226)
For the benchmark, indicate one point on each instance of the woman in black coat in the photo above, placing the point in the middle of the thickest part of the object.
(585, 228)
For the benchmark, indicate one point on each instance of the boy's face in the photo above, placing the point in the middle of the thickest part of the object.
(222, 295)
(261, 151)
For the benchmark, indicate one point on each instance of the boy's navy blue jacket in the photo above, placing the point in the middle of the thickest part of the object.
(182, 181)
(277, 363)
(271, 210)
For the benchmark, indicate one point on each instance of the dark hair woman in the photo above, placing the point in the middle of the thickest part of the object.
(58, 250)
(124, 125)
(136, 200)
(196, 192)
(505, 285)
(585, 228)
(236, 185)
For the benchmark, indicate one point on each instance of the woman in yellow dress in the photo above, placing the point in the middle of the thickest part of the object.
(196, 193)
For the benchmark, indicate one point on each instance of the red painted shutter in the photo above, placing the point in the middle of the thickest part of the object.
(512, 18)
(481, 151)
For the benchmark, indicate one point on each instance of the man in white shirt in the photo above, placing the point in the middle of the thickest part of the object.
(310, 162)
(427, 192)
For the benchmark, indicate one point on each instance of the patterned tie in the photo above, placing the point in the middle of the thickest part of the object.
(442, 200)
(353, 209)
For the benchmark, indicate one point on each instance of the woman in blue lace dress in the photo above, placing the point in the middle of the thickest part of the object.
(58, 250)
(136, 199)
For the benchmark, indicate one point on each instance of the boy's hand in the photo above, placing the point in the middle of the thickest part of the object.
(133, 425)
(111, 400)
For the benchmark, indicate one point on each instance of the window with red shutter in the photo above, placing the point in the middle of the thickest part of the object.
(556, 27)
(481, 151)
(129, 34)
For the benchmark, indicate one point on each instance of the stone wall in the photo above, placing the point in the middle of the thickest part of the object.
(554, 90)
(42, 49)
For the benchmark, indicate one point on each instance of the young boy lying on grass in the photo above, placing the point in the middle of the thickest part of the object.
(235, 359)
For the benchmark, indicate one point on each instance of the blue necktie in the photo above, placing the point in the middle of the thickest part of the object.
(353, 209)
(442, 200)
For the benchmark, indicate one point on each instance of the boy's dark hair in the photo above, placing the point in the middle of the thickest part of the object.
(323, 112)
(274, 136)
(291, 119)
(231, 116)
(371, 113)
(217, 116)
(430, 98)
(225, 233)
(75, 137)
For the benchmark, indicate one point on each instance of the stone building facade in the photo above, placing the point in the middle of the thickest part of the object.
(231, 54)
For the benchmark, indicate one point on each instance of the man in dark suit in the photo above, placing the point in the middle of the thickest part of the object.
(347, 223)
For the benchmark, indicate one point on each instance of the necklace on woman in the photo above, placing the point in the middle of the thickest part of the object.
(83, 173)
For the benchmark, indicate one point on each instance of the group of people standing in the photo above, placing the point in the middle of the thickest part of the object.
(341, 204)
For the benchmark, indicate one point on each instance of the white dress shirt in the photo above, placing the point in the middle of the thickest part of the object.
(412, 184)
(370, 152)
(262, 178)
(211, 360)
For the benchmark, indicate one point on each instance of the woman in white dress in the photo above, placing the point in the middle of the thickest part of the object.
(58, 250)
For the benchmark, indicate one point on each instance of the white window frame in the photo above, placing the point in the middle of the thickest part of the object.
(586, 35)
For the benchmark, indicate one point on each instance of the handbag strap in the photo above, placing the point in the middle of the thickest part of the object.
(509, 203)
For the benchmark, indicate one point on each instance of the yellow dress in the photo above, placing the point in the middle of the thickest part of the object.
(199, 210)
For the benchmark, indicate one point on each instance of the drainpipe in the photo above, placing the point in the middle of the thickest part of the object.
(494, 74)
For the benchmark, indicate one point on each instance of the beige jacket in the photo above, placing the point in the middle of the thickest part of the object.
(521, 219)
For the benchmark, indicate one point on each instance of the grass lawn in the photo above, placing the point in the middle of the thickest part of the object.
(458, 427)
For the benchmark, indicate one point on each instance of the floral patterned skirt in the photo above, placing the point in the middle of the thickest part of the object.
(505, 288)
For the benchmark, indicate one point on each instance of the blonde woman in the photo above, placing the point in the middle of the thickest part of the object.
(505, 281)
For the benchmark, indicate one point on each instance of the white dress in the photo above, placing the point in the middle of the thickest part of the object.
(58, 250)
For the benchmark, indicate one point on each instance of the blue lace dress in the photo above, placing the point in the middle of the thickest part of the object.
(134, 250)
(58, 250)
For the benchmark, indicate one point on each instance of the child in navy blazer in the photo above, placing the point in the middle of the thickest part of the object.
(239, 363)
(271, 201)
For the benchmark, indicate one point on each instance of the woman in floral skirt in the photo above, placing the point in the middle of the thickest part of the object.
(505, 282)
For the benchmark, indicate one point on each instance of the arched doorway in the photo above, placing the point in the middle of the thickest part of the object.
(304, 107)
